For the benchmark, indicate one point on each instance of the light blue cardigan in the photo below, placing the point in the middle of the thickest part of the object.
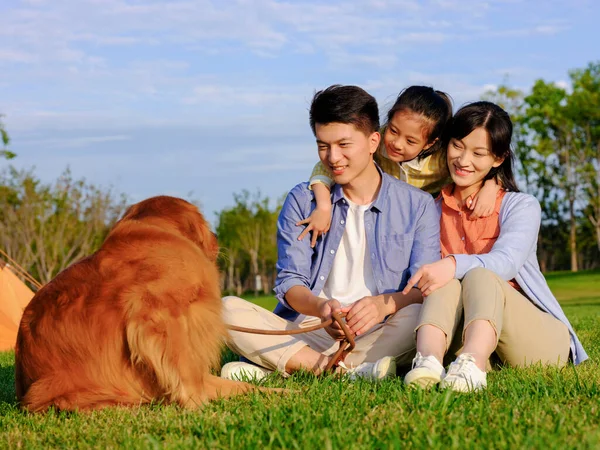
(514, 256)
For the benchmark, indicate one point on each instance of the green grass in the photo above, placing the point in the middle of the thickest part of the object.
(264, 301)
(530, 408)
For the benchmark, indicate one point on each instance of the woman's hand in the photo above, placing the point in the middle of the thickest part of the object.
(431, 277)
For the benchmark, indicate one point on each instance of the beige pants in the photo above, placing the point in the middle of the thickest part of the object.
(392, 338)
(525, 334)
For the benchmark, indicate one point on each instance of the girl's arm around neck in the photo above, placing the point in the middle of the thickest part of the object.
(520, 217)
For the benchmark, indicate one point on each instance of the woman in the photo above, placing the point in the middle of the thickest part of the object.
(489, 271)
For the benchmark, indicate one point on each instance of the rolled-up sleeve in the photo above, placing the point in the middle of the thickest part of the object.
(293, 256)
(426, 244)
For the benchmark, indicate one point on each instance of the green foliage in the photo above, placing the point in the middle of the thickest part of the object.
(5, 139)
(247, 238)
(47, 226)
(522, 408)
(557, 144)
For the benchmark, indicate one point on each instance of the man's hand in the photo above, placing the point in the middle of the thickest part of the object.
(431, 277)
(364, 314)
(325, 310)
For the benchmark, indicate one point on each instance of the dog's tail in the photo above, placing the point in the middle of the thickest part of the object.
(215, 387)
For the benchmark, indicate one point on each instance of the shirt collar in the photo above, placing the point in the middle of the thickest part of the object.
(416, 163)
(447, 196)
(379, 203)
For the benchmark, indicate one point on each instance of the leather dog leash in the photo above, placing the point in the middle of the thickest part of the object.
(346, 345)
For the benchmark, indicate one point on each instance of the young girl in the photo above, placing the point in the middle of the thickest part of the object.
(411, 150)
(489, 272)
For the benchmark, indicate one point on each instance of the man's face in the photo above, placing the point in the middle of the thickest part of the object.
(345, 150)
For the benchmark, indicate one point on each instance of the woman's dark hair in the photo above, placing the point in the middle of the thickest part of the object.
(345, 104)
(498, 125)
(434, 106)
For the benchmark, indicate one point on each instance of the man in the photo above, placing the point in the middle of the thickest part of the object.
(382, 231)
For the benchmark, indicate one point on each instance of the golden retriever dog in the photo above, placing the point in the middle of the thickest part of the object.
(136, 322)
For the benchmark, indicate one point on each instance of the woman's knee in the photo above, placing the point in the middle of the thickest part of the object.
(479, 275)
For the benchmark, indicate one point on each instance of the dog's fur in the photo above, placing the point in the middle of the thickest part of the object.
(136, 322)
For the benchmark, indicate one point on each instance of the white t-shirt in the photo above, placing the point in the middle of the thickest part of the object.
(351, 277)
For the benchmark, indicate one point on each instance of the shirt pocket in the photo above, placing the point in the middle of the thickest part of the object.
(395, 251)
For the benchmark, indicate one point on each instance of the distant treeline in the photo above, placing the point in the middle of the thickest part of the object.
(47, 226)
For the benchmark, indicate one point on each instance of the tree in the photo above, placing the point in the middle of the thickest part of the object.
(47, 227)
(556, 142)
(552, 131)
(230, 254)
(584, 106)
(5, 139)
(247, 234)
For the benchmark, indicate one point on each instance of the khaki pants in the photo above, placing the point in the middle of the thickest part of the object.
(392, 338)
(525, 334)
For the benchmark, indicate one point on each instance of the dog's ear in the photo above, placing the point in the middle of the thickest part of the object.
(199, 232)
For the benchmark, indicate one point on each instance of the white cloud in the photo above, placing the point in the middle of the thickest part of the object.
(72, 142)
(254, 95)
(15, 56)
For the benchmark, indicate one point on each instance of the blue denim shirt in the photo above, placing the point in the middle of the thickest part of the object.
(403, 233)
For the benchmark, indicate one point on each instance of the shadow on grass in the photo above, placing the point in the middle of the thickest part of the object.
(7, 385)
(582, 301)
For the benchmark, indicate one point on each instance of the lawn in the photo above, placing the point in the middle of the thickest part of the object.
(532, 408)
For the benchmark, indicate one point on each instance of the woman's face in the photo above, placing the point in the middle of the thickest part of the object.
(405, 136)
(470, 159)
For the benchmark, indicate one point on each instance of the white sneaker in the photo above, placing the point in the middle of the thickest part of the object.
(426, 371)
(243, 371)
(383, 368)
(464, 375)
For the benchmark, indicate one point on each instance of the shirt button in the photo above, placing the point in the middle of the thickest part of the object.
(321, 277)
(332, 251)
(372, 255)
(342, 221)
(460, 213)
(462, 238)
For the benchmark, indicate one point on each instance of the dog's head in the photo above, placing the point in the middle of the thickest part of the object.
(176, 214)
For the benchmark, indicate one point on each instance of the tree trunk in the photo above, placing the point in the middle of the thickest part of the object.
(573, 236)
(571, 191)
(238, 283)
(231, 274)
(254, 269)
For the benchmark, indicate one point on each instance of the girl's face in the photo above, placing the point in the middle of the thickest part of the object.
(470, 159)
(406, 136)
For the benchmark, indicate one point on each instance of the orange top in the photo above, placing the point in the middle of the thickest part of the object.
(461, 235)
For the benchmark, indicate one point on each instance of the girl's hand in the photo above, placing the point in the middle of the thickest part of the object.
(431, 277)
(318, 222)
(484, 202)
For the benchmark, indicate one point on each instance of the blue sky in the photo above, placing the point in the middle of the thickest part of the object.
(210, 97)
